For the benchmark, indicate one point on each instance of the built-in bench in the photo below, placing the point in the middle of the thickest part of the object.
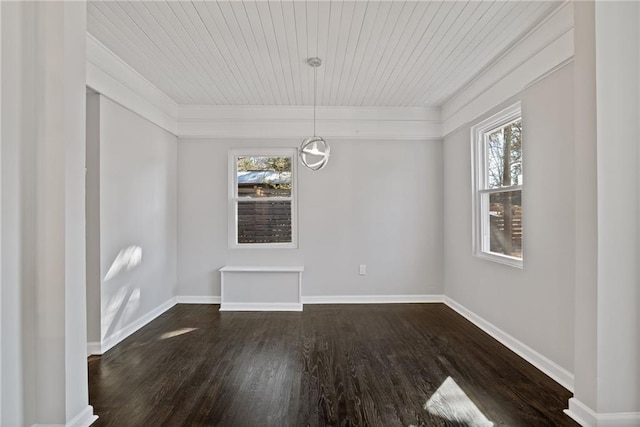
(259, 288)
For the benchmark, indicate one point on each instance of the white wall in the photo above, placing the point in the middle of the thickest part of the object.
(377, 203)
(138, 218)
(44, 375)
(617, 47)
(534, 304)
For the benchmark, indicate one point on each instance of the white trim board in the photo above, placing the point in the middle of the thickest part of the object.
(372, 299)
(547, 366)
(407, 123)
(124, 332)
(586, 417)
(581, 413)
(543, 49)
(112, 77)
(94, 348)
(99, 348)
(84, 419)
(334, 299)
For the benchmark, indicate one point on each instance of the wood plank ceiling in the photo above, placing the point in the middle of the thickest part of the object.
(375, 53)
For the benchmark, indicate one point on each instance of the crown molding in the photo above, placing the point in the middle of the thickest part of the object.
(297, 122)
(546, 47)
(110, 76)
(292, 113)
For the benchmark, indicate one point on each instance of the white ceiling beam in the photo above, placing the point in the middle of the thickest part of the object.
(548, 46)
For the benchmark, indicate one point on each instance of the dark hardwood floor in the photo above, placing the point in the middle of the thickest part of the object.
(340, 365)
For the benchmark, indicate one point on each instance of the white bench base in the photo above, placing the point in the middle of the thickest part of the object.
(252, 288)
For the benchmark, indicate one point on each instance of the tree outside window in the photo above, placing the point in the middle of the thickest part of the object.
(498, 182)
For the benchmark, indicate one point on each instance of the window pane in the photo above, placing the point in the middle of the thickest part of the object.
(264, 222)
(505, 223)
(504, 155)
(264, 176)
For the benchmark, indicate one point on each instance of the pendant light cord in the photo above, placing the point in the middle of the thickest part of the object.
(315, 91)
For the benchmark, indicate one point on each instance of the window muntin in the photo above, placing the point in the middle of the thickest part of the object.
(262, 208)
(498, 183)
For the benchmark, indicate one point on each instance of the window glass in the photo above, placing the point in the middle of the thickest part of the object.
(504, 156)
(262, 176)
(263, 205)
(505, 223)
(498, 184)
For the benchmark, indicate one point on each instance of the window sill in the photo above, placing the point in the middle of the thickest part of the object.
(501, 259)
(263, 246)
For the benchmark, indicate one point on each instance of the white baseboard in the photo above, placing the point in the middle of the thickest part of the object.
(84, 419)
(332, 299)
(121, 334)
(243, 306)
(371, 299)
(186, 299)
(587, 417)
(581, 413)
(550, 368)
(619, 419)
(94, 348)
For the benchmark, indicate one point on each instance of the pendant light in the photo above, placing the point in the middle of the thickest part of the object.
(314, 152)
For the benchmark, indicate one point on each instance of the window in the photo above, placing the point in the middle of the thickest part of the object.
(497, 176)
(262, 208)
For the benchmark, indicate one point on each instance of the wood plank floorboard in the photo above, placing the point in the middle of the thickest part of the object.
(330, 365)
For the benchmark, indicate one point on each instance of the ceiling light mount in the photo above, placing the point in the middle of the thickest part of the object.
(314, 152)
(314, 62)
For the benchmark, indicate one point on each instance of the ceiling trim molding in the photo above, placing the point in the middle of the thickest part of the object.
(287, 128)
(545, 48)
(297, 122)
(344, 113)
(110, 76)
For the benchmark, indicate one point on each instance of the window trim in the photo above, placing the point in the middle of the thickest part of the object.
(480, 190)
(233, 199)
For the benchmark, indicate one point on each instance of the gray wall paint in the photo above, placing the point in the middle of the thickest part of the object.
(586, 213)
(377, 203)
(138, 178)
(533, 304)
(93, 217)
(15, 361)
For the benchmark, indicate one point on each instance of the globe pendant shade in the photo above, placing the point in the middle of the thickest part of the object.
(314, 153)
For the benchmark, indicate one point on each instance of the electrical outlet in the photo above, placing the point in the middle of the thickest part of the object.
(363, 269)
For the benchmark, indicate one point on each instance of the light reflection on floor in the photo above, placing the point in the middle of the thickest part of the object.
(451, 403)
(176, 333)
